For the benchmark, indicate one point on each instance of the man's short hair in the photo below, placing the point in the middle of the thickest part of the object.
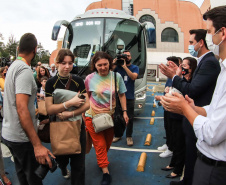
(52, 65)
(126, 51)
(28, 43)
(174, 59)
(200, 34)
(218, 16)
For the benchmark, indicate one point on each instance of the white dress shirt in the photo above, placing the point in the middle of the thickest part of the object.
(211, 130)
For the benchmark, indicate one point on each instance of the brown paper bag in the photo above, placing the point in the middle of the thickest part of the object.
(42, 107)
(65, 137)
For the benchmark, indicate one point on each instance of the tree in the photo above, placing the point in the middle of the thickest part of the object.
(11, 46)
(10, 49)
(42, 55)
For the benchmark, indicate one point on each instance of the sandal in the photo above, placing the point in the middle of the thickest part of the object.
(6, 181)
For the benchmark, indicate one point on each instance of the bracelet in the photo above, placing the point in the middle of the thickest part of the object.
(124, 110)
(64, 105)
(73, 114)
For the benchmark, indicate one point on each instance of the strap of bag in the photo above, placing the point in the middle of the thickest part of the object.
(115, 75)
(111, 93)
(69, 82)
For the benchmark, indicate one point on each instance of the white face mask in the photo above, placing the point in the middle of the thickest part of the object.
(211, 46)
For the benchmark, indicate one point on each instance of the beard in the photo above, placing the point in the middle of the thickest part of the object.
(128, 61)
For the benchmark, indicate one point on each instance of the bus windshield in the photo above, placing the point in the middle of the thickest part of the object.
(86, 36)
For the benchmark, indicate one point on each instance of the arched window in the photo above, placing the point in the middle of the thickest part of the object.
(147, 18)
(151, 30)
(169, 35)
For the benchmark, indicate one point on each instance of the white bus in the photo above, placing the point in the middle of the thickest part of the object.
(104, 30)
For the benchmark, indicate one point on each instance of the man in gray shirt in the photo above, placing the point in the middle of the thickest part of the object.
(19, 130)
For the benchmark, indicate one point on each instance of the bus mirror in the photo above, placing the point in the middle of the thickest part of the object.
(56, 28)
(143, 25)
(150, 32)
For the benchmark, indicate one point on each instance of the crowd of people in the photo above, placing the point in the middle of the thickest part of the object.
(194, 105)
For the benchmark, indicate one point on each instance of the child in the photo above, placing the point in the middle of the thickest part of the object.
(43, 119)
(41, 94)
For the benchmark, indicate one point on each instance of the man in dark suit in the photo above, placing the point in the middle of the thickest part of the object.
(200, 89)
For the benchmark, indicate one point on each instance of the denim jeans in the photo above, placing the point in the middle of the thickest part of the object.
(25, 162)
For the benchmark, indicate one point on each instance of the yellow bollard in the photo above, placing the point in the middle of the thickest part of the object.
(142, 161)
(152, 94)
(153, 113)
(152, 121)
(154, 105)
(148, 140)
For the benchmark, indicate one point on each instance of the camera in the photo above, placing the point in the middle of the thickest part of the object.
(120, 56)
(42, 170)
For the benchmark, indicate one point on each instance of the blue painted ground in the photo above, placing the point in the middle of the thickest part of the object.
(123, 163)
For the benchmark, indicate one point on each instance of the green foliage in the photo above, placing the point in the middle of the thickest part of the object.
(10, 50)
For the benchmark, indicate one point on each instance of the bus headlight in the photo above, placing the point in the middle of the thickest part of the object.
(141, 95)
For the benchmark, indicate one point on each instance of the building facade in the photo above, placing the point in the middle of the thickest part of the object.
(171, 20)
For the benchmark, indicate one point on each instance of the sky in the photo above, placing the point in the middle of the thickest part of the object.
(39, 16)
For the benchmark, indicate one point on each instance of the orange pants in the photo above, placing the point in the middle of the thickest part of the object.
(101, 142)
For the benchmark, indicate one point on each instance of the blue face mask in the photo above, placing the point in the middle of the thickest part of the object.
(191, 49)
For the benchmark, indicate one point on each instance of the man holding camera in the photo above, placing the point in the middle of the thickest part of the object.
(19, 129)
(129, 73)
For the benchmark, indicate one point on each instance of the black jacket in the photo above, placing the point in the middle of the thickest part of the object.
(203, 82)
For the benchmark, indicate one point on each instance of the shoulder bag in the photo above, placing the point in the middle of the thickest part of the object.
(119, 122)
(103, 121)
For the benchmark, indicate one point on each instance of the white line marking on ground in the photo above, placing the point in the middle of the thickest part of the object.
(148, 117)
(135, 149)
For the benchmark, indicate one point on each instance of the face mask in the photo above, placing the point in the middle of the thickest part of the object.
(211, 46)
(184, 71)
(191, 49)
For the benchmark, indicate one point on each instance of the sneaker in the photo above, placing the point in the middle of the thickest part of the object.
(163, 147)
(66, 173)
(167, 153)
(106, 179)
(115, 139)
(129, 141)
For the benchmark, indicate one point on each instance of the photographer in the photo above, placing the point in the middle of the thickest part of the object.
(129, 73)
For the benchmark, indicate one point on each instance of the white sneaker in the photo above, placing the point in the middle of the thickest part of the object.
(167, 153)
(163, 147)
(66, 174)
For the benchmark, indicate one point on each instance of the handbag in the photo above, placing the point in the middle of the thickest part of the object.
(119, 122)
(103, 121)
(65, 137)
(44, 134)
(42, 107)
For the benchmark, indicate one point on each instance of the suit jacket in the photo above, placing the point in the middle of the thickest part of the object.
(203, 82)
